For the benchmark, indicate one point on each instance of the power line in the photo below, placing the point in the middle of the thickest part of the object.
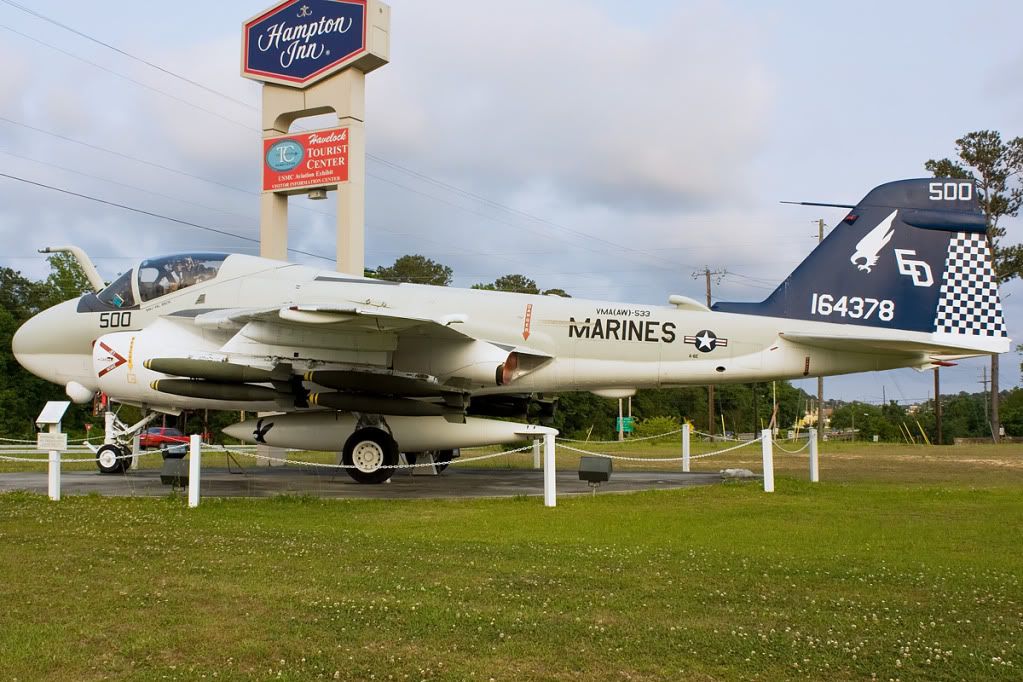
(118, 50)
(152, 214)
(127, 78)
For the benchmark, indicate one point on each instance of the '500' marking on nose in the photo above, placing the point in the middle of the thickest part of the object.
(852, 306)
(114, 320)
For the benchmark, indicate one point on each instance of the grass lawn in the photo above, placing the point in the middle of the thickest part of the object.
(904, 564)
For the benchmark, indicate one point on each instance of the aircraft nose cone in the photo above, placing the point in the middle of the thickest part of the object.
(42, 339)
(28, 338)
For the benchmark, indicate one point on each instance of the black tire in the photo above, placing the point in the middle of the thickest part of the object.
(367, 452)
(105, 459)
(443, 458)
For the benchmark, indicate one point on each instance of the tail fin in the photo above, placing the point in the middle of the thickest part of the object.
(913, 255)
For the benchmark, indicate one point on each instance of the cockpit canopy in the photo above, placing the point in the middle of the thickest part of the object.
(160, 276)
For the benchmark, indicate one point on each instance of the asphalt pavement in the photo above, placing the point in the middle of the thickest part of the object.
(332, 483)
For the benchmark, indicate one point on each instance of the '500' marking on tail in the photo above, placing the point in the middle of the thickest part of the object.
(852, 306)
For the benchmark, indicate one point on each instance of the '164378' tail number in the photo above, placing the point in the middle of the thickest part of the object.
(852, 306)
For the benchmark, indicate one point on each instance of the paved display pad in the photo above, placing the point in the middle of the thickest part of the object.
(324, 482)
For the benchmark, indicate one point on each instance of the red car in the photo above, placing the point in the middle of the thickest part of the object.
(161, 436)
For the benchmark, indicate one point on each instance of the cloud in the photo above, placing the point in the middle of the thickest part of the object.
(565, 94)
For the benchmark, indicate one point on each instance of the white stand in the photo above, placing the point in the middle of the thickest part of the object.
(536, 454)
(768, 450)
(550, 494)
(194, 466)
(424, 458)
(685, 448)
(815, 474)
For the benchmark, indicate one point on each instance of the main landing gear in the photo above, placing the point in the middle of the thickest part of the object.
(370, 455)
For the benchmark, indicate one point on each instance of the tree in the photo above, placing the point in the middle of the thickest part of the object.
(67, 280)
(21, 393)
(519, 284)
(997, 167)
(414, 269)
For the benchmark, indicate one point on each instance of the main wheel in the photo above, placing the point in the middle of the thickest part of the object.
(366, 454)
(110, 459)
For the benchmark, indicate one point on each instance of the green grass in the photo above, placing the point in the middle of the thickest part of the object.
(883, 574)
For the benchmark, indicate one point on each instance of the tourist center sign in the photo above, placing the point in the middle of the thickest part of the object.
(294, 163)
(298, 42)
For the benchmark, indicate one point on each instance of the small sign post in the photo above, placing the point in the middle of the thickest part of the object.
(54, 441)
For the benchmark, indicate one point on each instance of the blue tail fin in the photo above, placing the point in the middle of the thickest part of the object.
(912, 255)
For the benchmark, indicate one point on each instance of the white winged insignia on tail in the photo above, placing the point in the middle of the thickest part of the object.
(869, 248)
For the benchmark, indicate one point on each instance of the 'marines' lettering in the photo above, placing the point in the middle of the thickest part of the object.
(612, 329)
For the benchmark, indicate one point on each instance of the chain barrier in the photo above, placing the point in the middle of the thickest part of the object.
(630, 440)
(661, 459)
(460, 460)
(42, 458)
(778, 444)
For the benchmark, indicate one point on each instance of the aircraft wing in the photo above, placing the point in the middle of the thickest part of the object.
(351, 347)
(334, 316)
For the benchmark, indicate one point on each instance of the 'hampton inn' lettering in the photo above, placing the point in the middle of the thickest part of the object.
(298, 43)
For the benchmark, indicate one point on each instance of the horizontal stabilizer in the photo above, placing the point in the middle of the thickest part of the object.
(935, 347)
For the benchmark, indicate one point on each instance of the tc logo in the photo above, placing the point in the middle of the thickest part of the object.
(919, 270)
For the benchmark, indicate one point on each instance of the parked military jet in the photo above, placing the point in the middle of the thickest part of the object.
(371, 368)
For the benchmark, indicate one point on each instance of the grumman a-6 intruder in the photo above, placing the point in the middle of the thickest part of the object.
(374, 368)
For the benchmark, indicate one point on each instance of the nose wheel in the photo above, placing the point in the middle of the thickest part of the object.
(110, 459)
(366, 454)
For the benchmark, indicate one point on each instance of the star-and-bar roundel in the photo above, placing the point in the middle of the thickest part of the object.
(298, 42)
(706, 341)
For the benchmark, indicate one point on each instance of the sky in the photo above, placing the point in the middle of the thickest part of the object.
(608, 149)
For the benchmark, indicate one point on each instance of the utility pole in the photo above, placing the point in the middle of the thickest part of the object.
(820, 379)
(996, 426)
(983, 382)
(707, 273)
(937, 403)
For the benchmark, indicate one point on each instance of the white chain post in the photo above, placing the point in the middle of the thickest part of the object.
(54, 468)
(550, 494)
(815, 474)
(685, 447)
(536, 453)
(194, 446)
(765, 442)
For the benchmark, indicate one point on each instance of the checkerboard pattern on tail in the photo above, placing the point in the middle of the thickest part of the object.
(968, 302)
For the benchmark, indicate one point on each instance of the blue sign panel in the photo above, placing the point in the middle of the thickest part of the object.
(299, 41)
(284, 155)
